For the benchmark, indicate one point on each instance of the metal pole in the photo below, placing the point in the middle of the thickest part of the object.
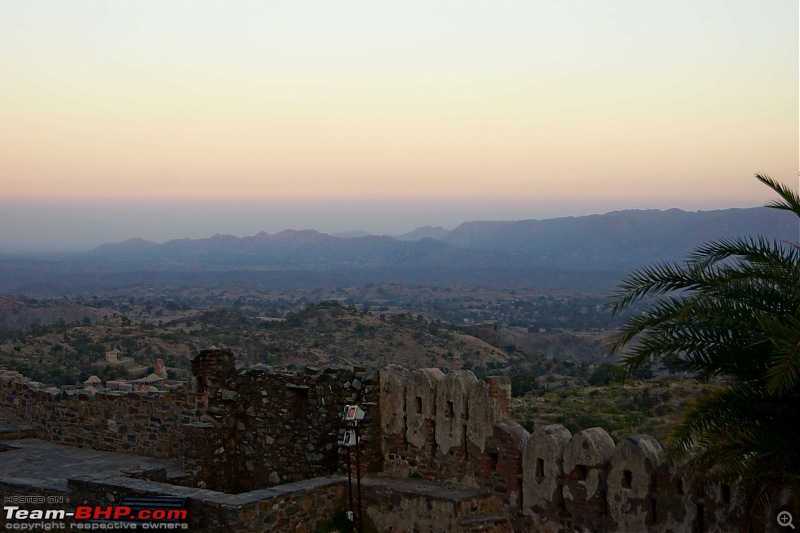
(350, 486)
(358, 482)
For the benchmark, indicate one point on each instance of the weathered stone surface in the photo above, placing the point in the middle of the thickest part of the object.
(633, 482)
(586, 458)
(452, 409)
(212, 368)
(229, 395)
(301, 506)
(294, 428)
(408, 506)
(482, 414)
(132, 422)
(509, 439)
(421, 404)
(542, 467)
(393, 380)
(260, 428)
(500, 392)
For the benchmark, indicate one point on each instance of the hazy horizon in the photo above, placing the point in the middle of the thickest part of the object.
(107, 224)
(166, 120)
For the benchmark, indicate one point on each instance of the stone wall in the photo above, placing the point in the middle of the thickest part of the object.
(453, 427)
(585, 482)
(247, 431)
(264, 428)
(239, 431)
(410, 505)
(133, 422)
(303, 506)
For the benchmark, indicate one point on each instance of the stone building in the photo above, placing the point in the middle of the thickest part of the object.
(113, 356)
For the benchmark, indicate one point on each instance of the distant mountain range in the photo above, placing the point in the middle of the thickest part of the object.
(434, 232)
(617, 240)
(300, 249)
(622, 239)
(588, 253)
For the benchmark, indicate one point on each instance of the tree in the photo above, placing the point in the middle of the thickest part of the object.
(604, 374)
(729, 314)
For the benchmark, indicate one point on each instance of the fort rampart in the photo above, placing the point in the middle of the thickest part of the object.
(241, 432)
(261, 428)
(132, 422)
(454, 427)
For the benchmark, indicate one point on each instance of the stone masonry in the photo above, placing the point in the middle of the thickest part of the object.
(241, 432)
(262, 428)
(455, 428)
(147, 424)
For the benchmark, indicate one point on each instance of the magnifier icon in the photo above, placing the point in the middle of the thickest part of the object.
(785, 519)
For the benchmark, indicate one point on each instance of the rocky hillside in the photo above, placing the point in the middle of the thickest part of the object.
(329, 334)
(321, 335)
(16, 313)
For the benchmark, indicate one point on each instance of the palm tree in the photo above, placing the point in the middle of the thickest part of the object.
(731, 313)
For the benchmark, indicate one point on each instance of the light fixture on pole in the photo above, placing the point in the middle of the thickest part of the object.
(352, 414)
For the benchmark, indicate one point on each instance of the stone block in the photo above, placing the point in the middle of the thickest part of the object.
(392, 403)
(542, 467)
(421, 404)
(586, 459)
(452, 409)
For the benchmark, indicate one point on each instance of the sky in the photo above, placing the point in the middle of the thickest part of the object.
(170, 118)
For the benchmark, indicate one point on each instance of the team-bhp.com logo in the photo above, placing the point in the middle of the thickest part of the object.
(94, 517)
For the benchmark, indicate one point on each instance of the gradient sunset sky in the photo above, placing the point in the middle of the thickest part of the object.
(167, 119)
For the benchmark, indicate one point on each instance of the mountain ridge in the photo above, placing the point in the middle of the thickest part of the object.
(589, 253)
(618, 239)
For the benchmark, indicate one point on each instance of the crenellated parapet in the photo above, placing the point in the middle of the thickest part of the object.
(585, 482)
(456, 428)
(247, 429)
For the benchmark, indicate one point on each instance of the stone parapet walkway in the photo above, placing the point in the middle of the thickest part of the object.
(39, 464)
(403, 504)
(13, 427)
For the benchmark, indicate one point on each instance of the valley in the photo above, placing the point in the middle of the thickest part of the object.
(549, 343)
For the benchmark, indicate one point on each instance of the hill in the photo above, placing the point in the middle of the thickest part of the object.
(649, 407)
(620, 239)
(434, 232)
(322, 334)
(590, 253)
(16, 313)
(330, 334)
(617, 240)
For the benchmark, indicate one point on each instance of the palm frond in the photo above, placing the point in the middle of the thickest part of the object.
(784, 371)
(752, 249)
(791, 200)
(652, 280)
(730, 311)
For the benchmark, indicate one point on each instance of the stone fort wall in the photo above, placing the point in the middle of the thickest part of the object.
(246, 430)
(264, 428)
(239, 431)
(454, 427)
(140, 423)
